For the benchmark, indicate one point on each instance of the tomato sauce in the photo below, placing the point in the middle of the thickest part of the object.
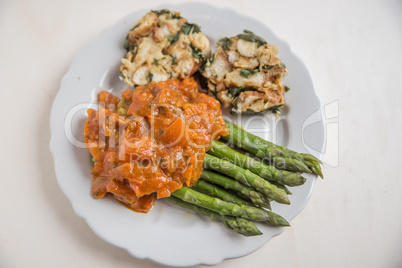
(152, 141)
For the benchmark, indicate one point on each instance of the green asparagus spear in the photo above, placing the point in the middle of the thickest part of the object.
(239, 225)
(245, 140)
(219, 192)
(246, 177)
(288, 192)
(270, 173)
(281, 150)
(282, 157)
(256, 197)
(308, 159)
(274, 156)
(229, 209)
(316, 168)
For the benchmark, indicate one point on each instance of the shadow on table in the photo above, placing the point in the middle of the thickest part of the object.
(61, 207)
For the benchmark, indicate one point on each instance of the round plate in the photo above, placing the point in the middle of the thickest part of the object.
(170, 235)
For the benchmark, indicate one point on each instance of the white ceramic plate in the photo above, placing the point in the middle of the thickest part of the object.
(170, 235)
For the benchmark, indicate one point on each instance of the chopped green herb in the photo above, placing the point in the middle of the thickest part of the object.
(225, 43)
(287, 88)
(188, 28)
(247, 73)
(166, 11)
(251, 37)
(235, 91)
(174, 60)
(94, 159)
(122, 102)
(267, 67)
(197, 53)
(127, 45)
(207, 63)
(150, 76)
(173, 38)
(135, 27)
(156, 62)
(202, 68)
(273, 109)
(283, 65)
(122, 111)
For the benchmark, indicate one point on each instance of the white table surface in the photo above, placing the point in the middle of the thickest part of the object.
(354, 52)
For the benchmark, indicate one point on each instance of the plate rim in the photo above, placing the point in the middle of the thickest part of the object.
(53, 149)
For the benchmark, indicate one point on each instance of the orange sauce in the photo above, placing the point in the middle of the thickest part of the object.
(152, 141)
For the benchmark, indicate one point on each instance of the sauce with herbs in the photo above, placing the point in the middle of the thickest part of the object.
(152, 141)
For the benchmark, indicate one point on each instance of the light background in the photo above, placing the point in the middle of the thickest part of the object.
(353, 50)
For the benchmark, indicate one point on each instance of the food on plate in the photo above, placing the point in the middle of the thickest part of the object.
(219, 192)
(228, 208)
(239, 225)
(247, 177)
(257, 198)
(245, 73)
(152, 141)
(281, 157)
(160, 140)
(242, 186)
(163, 45)
(221, 150)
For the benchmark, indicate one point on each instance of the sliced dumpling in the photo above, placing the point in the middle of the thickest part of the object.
(163, 45)
(246, 74)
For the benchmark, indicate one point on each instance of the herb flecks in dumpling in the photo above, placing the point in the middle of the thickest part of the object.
(245, 73)
(163, 45)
